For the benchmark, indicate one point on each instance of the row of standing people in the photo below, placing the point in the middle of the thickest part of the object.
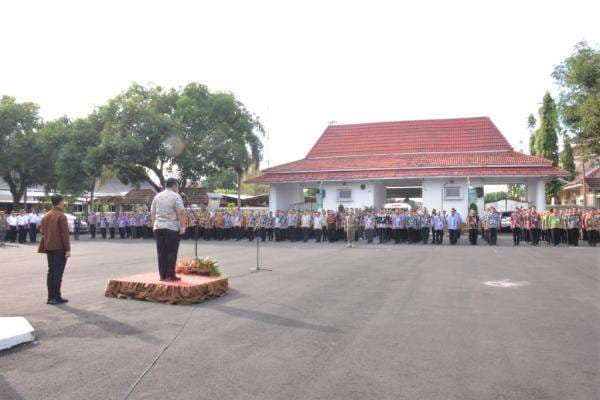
(398, 226)
(19, 226)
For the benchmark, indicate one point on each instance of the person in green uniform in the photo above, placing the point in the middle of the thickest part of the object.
(556, 223)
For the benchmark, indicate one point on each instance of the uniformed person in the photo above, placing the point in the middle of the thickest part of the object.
(12, 227)
(425, 225)
(473, 226)
(574, 224)
(349, 227)
(3, 227)
(439, 222)
(516, 223)
(493, 223)
(22, 227)
(453, 223)
(533, 225)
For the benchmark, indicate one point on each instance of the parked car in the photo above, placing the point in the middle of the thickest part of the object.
(71, 221)
(505, 221)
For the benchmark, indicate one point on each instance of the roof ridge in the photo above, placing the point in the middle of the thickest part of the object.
(412, 120)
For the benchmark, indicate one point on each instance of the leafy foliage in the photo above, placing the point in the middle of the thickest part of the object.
(579, 79)
(20, 165)
(567, 160)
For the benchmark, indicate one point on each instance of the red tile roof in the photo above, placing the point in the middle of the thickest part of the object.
(441, 135)
(448, 147)
(406, 173)
(592, 179)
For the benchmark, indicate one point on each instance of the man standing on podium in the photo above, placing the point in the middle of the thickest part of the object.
(168, 221)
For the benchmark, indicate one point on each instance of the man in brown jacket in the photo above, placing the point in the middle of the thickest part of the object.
(55, 243)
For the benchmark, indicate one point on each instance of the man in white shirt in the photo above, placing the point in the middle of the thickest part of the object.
(317, 226)
(22, 227)
(12, 227)
(305, 223)
(168, 216)
(33, 219)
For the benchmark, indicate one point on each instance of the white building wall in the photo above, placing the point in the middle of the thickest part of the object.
(379, 194)
(433, 195)
(283, 195)
(360, 197)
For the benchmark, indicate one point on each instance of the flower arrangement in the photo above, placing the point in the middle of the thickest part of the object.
(199, 266)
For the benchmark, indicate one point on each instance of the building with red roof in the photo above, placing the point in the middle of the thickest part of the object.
(448, 159)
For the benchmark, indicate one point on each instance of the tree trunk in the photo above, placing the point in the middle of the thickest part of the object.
(239, 188)
(92, 190)
(16, 191)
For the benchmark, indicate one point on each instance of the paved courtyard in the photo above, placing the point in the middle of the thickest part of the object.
(374, 322)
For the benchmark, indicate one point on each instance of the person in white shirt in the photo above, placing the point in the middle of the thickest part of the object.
(305, 223)
(12, 227)
(3, 227)
(317, 226)
(33, 220)
(323, 218)
(22, 227)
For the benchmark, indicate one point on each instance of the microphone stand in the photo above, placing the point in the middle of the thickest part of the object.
(258, 267)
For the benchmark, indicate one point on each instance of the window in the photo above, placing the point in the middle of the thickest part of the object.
(453, 192)
(344, 195)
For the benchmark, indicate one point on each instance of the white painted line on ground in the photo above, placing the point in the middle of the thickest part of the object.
(506, 283)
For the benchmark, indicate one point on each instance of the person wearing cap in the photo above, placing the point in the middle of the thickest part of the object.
(55, 243)
(168, 222)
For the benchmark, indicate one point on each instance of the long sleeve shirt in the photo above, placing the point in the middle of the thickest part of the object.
(55, 232)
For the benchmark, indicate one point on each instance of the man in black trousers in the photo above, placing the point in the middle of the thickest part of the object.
(56, 245)
(168, 221)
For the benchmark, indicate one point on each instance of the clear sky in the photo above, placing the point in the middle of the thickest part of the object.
(299, 65)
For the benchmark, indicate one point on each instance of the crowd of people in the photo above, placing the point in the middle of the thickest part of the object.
(552, 227)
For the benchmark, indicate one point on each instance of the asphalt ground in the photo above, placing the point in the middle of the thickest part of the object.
(373, 322)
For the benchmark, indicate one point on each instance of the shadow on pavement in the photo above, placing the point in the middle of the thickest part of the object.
(7, 392)
(107, 324)
(273, 319)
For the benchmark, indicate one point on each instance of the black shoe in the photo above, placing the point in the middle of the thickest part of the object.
(60, 300)
(52, 302)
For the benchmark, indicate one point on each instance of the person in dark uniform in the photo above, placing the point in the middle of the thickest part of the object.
(473, 226)
(57, 247)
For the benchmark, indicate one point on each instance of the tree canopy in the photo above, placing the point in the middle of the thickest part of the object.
(144, 134)
(19, 145)
(578, 77)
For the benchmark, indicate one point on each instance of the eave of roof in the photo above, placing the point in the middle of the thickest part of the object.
(508, 171)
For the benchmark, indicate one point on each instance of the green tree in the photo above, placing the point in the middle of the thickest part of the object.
(222, 179)
(579, 79)
(567, 160)
(235, 137)
(193, 117)
(531, 122)
(516, 192)
(20, 160)
(81, 161)
(546, 140)
(141, 134)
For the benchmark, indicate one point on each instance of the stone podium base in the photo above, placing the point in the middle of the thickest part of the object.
(190, 289)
